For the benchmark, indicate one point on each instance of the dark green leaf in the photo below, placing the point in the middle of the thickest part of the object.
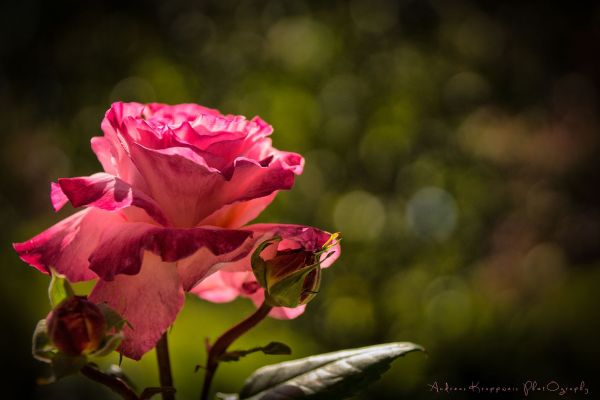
(227, 396)
(63, 365)
(59, 289)
(117, 372)
(152, 391)
(327, 376)
(271, 348)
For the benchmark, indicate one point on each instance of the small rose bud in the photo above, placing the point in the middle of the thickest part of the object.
(76, 326)
(290, 277)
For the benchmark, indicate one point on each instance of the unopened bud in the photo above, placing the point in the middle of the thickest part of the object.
(290, 277)
(76, 326)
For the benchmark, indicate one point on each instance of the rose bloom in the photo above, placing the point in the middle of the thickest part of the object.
(168, 215)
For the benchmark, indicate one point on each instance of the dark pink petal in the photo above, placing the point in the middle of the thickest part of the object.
(311, 239)
(203, 263)
(149, 301)
(122, 246)
(107, 192)
(57, 197)
(188, 190)
(67, 245)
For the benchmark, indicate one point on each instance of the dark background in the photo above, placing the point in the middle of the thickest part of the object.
(454, 143)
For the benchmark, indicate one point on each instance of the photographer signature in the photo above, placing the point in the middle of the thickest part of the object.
(527, 388)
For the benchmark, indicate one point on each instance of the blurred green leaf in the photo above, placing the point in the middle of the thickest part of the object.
(63, 364)
(59, 289)
(271, 348)
(113, 319)
(41, 346)
(334, 375)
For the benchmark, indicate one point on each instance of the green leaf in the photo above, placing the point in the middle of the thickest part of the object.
(271, 348)
(41, 346)
(327, 376)
(59, 289)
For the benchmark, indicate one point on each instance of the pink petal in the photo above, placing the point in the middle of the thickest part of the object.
(217, 288)
(106, 154)
(106, 192)
(189, 190)
(238, 214)
(122, 246)
(67, 245)
(57, 197)
(200, 265)
(149, 301)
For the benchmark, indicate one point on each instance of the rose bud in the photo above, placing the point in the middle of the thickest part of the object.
(290, 277)
(76, 326)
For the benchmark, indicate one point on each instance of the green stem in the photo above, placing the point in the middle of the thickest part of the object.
(225, 340)
(164, 367)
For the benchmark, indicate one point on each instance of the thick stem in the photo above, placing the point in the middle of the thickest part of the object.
(112, 382)
(225, 340)
(164, 366)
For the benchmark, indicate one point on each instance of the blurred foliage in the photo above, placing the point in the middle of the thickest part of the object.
(454, 143)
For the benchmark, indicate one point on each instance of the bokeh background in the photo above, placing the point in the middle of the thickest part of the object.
(454, 143)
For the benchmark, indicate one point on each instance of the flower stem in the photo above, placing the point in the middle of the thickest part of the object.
(225, 340)
(113, 383)
(164, 367)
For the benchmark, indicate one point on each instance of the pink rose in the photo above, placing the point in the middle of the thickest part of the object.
(178, 184)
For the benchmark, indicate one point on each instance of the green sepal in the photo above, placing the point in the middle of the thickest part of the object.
(108, 345)
(41, 346)
(259, 266)
(59, 289)
(290, 292)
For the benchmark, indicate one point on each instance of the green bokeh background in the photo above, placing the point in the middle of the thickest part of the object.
(455, 145)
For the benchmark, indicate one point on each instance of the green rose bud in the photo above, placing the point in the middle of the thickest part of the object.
(290, 277)
(76, 326)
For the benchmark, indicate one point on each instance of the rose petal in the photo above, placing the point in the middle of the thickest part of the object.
(238, 214)
(221, 287)
(57, 197)
(106, 192)
(121, 247)
(67, 245)
(148, 301)
(189, 190)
